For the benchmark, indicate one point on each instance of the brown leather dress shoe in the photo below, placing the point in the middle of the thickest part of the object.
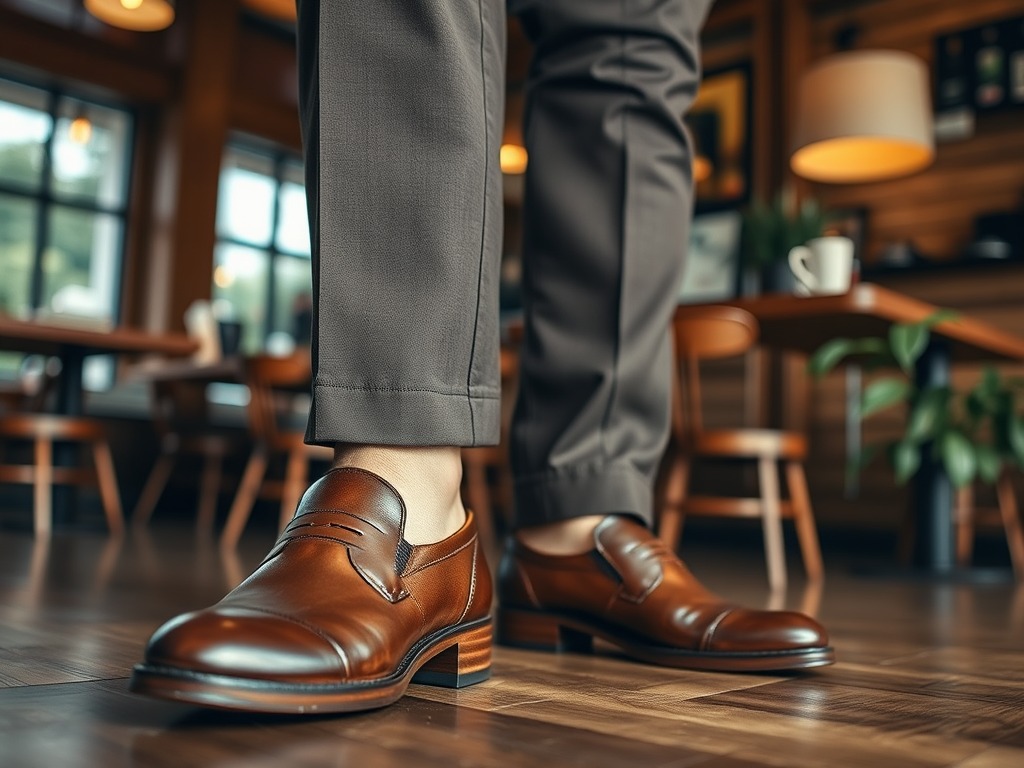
(341, 616)
(631, 591)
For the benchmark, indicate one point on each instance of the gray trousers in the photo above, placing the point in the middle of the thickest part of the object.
(402, 113)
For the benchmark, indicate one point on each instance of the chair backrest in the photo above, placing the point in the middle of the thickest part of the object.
(702, 333)
(266, 376)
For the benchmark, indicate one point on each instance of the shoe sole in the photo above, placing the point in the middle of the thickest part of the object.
(558, 633)
(454, 657)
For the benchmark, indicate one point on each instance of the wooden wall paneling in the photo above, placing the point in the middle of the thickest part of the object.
(194, 132)
(72, 56)
(276, 122)
(264, 97)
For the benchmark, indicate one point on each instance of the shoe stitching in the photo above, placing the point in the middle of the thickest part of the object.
(472, 586)
(423, 614)
(339, 542)
(341, 512)
(440, 559)
(705, 641)
(311, 627)
(356, 531)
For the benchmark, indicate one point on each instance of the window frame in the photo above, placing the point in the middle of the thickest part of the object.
(46, 200)
(279, 157)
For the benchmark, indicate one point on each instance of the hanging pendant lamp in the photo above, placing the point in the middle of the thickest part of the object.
(863, 116)
(137, 15)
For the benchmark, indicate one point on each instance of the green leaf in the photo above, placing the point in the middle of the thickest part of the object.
(990, 463)
(906, 458)
(882, 394)
(939, 316)
(908, 342)
(959, 458)
(989, 384)
(828, 356)
(1015, 438)
(928, 414)
(870, 345)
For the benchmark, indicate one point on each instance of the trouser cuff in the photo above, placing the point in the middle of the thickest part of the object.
(402, 417)
(593, 489)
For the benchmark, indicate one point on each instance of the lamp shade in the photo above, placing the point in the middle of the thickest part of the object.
(863, 116)
(137, 15)
(283, 10)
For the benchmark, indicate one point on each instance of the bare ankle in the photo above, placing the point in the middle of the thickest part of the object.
(567, 537)
(427, 479)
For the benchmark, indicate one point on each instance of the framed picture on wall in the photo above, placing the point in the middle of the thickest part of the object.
(719, 122)
(712, 268)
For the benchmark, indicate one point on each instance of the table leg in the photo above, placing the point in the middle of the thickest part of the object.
(69, 386)
(69, 403)
(933, 494)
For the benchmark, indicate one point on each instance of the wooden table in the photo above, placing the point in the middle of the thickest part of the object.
(802, 324)
(73, 344)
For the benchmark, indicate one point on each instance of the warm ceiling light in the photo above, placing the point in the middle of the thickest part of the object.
(276, 9)
(863, 116)
(513, 159)
(702, 168)
(223, 277)
(80, 130)
(137, 15)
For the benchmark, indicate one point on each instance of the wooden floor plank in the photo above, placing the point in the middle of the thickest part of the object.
(929, 676)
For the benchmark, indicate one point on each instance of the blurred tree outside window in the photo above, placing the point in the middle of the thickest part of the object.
(64, 179)
(262, 276)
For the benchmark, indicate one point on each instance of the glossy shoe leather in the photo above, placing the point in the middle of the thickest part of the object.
(341, 615)
(630, 590)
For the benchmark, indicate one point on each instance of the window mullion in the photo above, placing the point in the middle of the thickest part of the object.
(43, 211)
(269, 318)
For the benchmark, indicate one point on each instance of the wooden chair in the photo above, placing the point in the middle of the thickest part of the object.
(712, 332)
(181, 419)
(266, 377)
(966, 516)
(479, 494)
(42, 430)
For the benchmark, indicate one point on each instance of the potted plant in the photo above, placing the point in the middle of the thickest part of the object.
(974, 434)
(770, 232)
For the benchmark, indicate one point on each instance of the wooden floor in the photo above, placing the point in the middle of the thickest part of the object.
(928, 676)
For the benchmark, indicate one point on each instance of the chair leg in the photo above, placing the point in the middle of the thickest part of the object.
(43, 496)
(771, 518)
(478, 496)
(804, 519)
(1011, 524)
(154, 488)
(670, 525)
(107, 479)
(963, 517)
(295, 477)
(209, 490)
(242, 506)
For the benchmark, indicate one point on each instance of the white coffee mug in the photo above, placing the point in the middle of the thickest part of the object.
(824, 265)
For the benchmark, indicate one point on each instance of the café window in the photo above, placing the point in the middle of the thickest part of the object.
(64, 166)
(262, 276)
(64, 172)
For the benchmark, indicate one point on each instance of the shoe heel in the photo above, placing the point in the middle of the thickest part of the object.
(466, 663)
(540, 632)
